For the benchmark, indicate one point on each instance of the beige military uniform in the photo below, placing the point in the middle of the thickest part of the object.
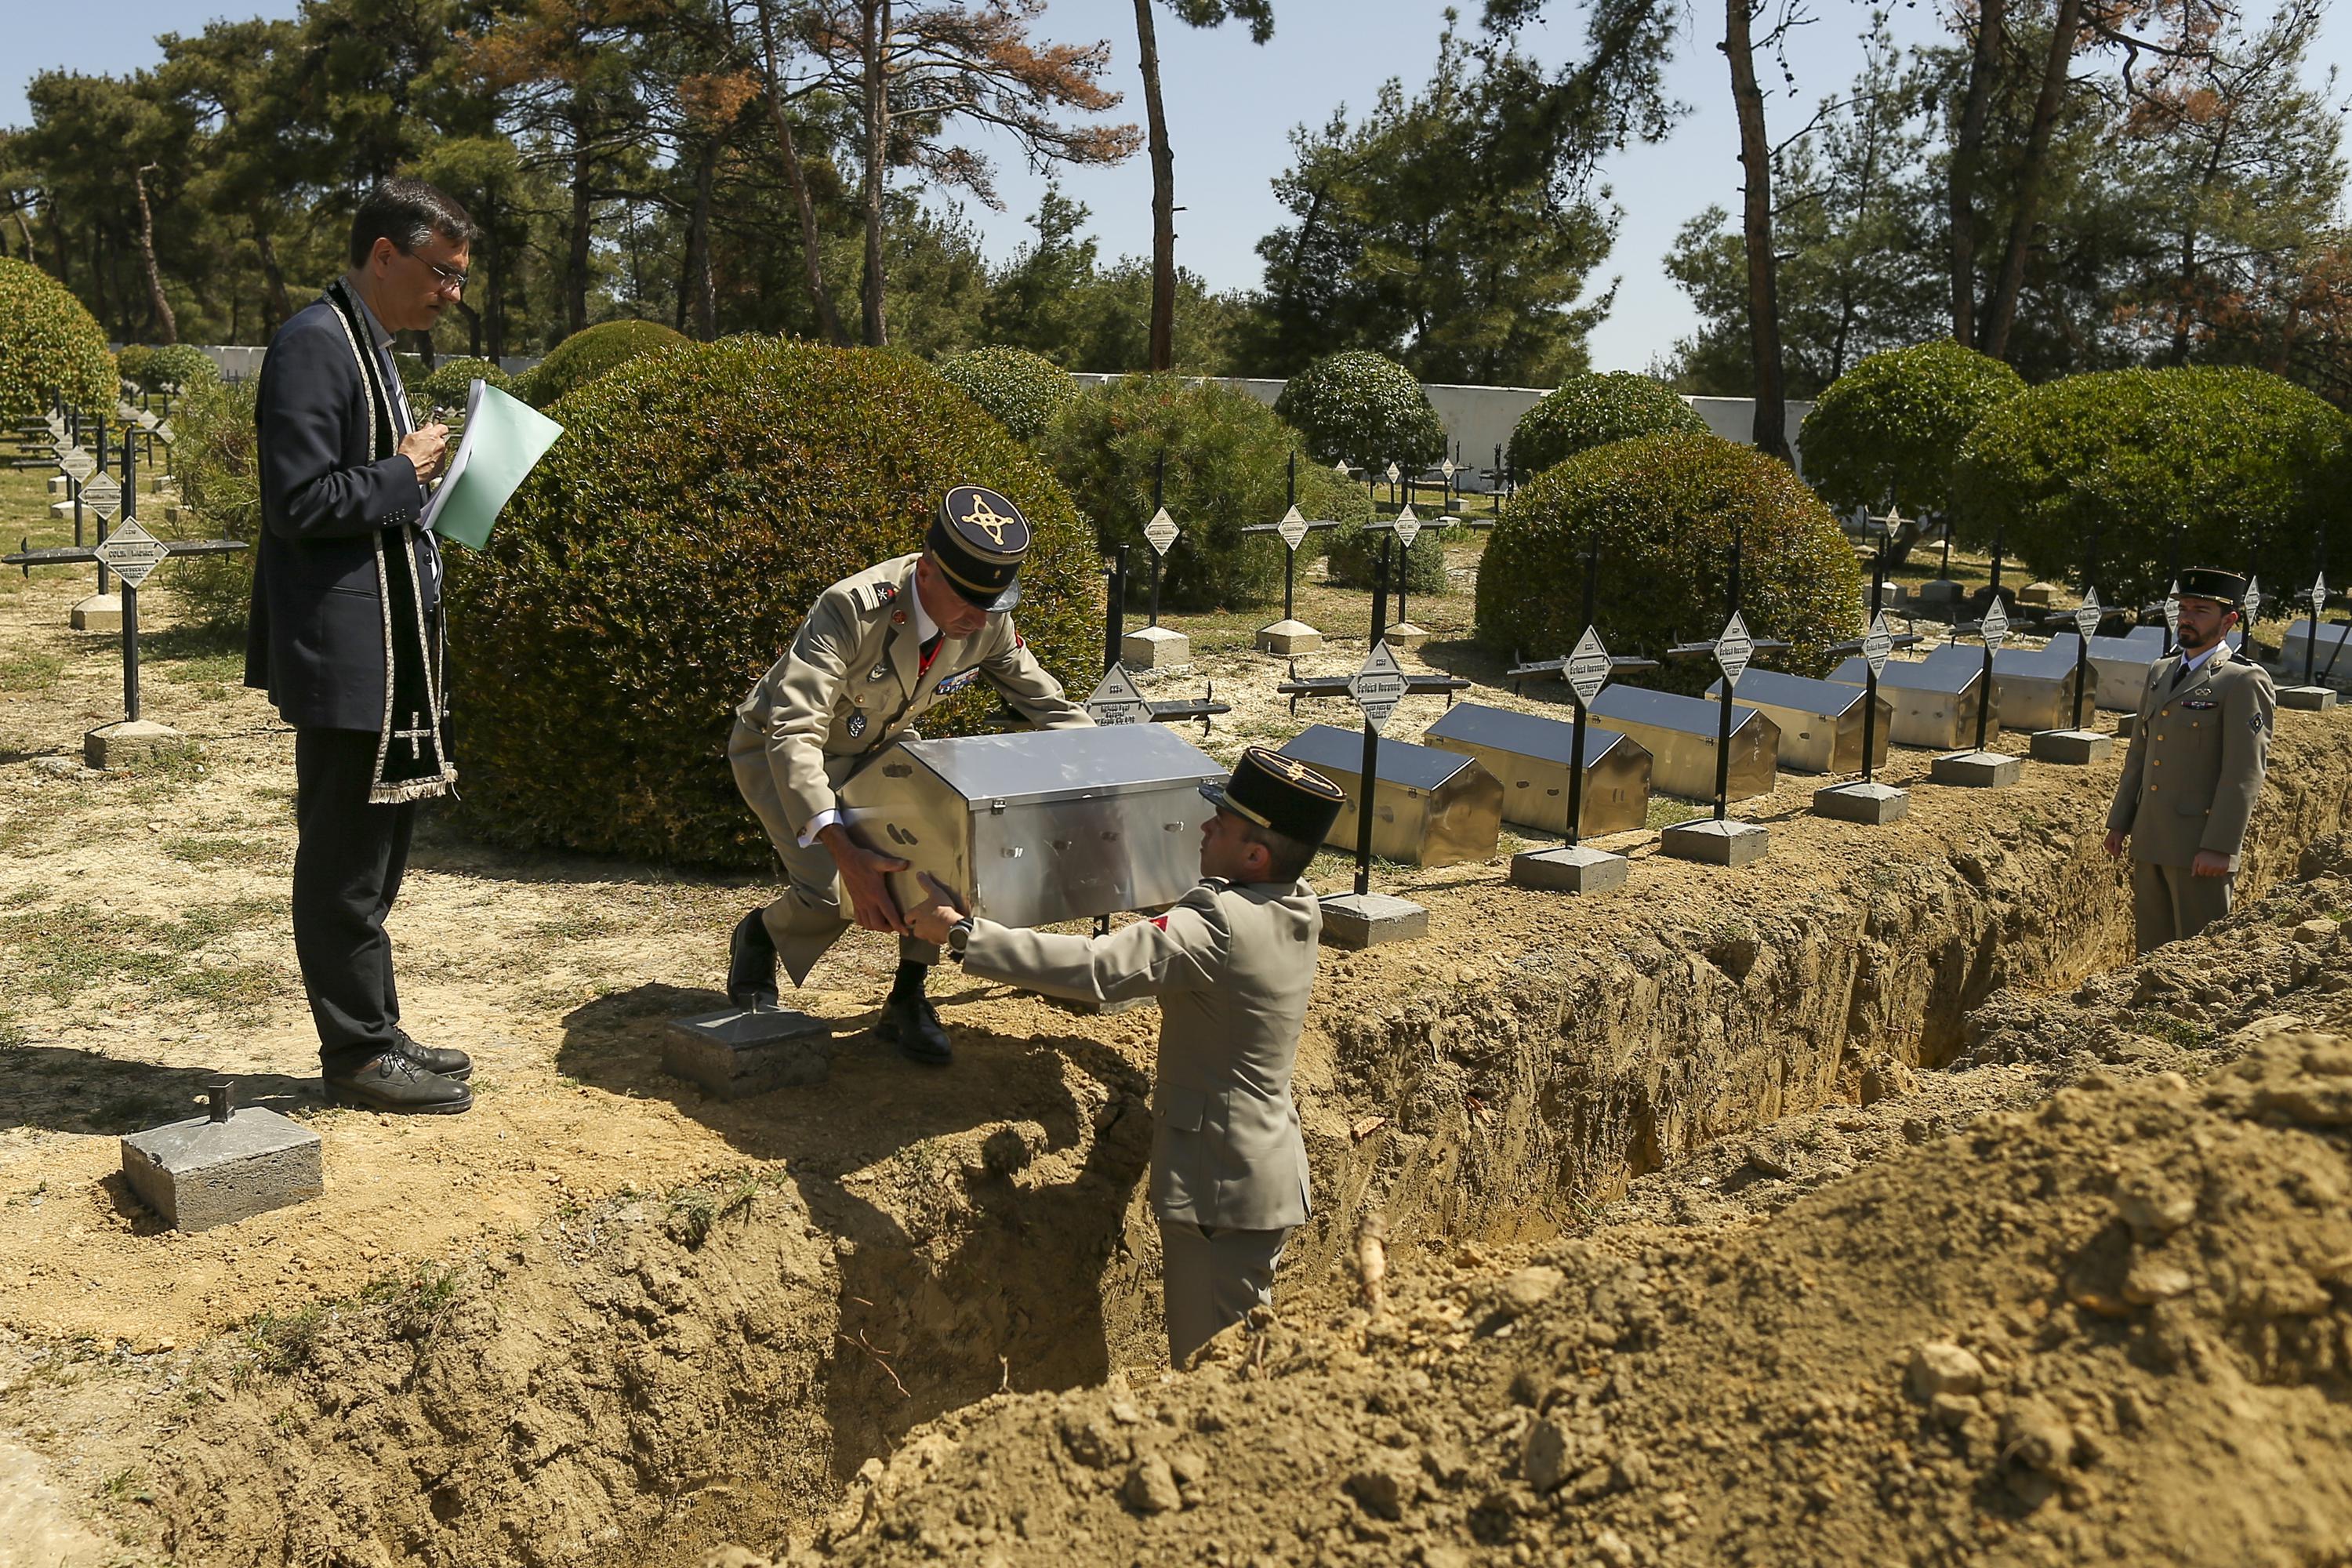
(852, 681)
(1233, 967)
(2190, 779)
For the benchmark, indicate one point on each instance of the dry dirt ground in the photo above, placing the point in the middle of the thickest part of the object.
(603, 1318)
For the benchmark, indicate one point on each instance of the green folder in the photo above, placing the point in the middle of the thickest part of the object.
(504, 440)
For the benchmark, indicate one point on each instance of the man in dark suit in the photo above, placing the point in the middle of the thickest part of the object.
(346, 633)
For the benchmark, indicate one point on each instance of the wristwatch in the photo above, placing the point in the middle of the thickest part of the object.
(959, 934)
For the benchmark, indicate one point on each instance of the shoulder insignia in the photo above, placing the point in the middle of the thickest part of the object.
(1161, 921)
(872, 596)
(2254, 720)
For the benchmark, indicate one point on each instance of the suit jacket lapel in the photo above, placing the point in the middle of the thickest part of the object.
(905, 646)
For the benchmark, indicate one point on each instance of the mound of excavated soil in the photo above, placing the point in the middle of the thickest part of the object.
(2112, 1324)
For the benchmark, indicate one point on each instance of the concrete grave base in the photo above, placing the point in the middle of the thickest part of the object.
(203, 1173)
(1569, 868)
(2306, 698)
(1942, 590)
(1405, 633)
(1155, 647)
(1731, 842)
(2043, 593)
(736, 1054)
(1874, 805)
(99, 612)
(2125, 724)
(2073, 748)
(1368, 919)
(127, 742)
(1286, 637)
(1977, 770)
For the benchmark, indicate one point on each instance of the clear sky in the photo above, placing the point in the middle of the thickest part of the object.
(1231, 106)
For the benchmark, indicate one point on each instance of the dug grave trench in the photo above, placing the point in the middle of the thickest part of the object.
(709, 1360)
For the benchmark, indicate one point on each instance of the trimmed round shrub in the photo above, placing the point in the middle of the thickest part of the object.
(215, 457)
(50, 345)
(1593, 410)
(182, 365)
(658, 559)
(1363, 408)
(135, 362)
(1352, 553)
(1663, 508)
(585, 356)
(2249, 470)
(1023, 390)
(1227, 462)
(447, 384)
(1891, 427)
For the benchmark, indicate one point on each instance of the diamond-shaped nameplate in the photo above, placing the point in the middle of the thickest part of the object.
(1341, 469)
(1394, 473)
(1379, 686)
(147, 420)
(78, 465)
(2254, 599)
(2086, 619)
(103, 495)
(1734, 648)
(1160, 532)
(1408, 528)
(1587, 667)
(1447, 468)
(133, 552)
(1878, 644)
(1117, 701)
(1291, 530)
(2318, 591)
(1995, 624)
(2172, 614)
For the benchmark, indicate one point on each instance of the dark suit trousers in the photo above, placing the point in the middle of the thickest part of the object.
(348, 864)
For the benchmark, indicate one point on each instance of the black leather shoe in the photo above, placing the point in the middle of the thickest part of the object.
(911, 1020)
(449, 1063)
(751, 964)
(391, 1081)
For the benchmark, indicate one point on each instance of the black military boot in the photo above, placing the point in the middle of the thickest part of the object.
(751, 964)
(449, 1062)
(391, 1081)
(909, 1019)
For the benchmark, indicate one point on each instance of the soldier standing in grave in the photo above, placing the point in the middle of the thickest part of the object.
(2194, 769)
(1232, 963)
(878, 650)
(345, 633)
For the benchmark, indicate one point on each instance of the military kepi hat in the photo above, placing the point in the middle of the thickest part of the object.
(1277, 793)
(2204, 583)
(980, 539)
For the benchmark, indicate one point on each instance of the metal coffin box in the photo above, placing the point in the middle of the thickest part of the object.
(1528, 755)
(1680, 733)
(1433, 808)
(2033, 687)
(2121, 664)
(2329, 665)
(1821, 720)
(1040, 825)
(1935, 706)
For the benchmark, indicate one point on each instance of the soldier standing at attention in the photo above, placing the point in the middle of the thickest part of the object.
(878, 649)
(2194, 769)
(1232, 963)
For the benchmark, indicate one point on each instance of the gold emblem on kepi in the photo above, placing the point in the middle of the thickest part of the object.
(986, 518)
(978, 540)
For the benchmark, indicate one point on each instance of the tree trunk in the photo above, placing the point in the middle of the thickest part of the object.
(1771, 434)
(273, 278)
(2032, 174)
(165, 326)
(697, 294)
(877, 17)
(1968, 150)
(1163, 196)
(811, 258)
(27, 230)
(583, 211)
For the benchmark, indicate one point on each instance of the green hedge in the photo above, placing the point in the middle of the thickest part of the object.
(585, 356)
(1363, 408)
(1891, 427)
(658, 559)
(1024, 391)
(1663, 507)
(448, 384)
(1593, 410)
(215, 456)
(1227, 460)
(2251, 469)
(49, 343)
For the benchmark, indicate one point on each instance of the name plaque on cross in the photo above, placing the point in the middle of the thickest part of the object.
(1878, 646)
(103, 495)
(2086, 619)
(1160, 532)
(1378, 687)
(78, 465)
(1734, 648)
(2172, 614)
(131, 552)
(1407, 528)
(1117, 701)
(1292, 529)
(1394, 473)
(2318, 593)
(1587, 667)
(1994, 627)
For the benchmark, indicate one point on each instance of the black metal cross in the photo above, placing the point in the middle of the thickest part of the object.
(1696, 649)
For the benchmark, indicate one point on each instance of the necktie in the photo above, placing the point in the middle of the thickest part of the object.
(2180, 674)
(930, 648)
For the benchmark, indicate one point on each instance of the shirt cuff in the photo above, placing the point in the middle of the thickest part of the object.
(816, 824)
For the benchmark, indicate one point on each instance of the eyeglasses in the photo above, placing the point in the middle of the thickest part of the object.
(447, 278)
